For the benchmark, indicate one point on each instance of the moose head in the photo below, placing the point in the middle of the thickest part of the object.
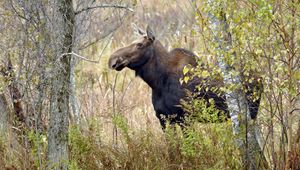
(134, 55)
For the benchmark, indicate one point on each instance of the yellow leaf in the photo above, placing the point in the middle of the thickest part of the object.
(185, 70)
(205, 74)
(297, 75)
(186, 79)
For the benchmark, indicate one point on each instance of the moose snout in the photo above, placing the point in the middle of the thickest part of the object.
(113, 62)
(117, 63)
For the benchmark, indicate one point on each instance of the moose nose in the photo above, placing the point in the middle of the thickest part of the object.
(113, 62)
(114, 65)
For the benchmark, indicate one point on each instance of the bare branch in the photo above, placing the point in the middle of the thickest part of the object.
(79, 56)
(296, 109)
(17, 13)
(105, 6)
(86, 45)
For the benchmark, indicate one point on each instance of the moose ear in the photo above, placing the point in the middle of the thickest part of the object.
(141, 32)
(137, 30)
(150, 34)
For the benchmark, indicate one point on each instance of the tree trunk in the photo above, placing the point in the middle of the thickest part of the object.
(4, 114)
(73, 98)
(59, 110)
(15, 94)
(236, 100)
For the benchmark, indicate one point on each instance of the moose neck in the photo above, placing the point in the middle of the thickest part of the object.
(154, 72)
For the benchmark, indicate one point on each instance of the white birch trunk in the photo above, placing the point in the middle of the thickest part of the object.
(73, 96)
(236, 100)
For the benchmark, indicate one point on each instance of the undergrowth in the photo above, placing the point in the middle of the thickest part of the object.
(198, 146)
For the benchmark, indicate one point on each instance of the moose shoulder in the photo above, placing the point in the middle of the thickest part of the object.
(162, 70)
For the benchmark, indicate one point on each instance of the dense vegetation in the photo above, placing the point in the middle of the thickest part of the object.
(55, 83)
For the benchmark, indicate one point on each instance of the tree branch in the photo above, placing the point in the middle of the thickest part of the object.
(105, 6)
(79, 56)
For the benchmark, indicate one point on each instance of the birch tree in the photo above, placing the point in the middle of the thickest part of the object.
(236, 99)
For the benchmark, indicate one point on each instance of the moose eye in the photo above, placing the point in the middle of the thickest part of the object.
(139, 45)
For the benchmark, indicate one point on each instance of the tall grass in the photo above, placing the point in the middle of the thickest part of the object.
(200, 146)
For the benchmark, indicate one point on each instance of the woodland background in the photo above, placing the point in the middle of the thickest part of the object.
(58, 99)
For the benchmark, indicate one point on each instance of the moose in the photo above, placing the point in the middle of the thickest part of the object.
(162, 70)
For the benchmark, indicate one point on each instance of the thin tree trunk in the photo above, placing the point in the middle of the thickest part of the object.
(59, 110)
(73, 96)
(14, 92)
(4, 114)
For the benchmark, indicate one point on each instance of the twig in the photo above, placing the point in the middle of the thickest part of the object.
(115, 129)
(296, 109)
(86, 45)
(79, 56)
(105, 6)
(16, 12)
